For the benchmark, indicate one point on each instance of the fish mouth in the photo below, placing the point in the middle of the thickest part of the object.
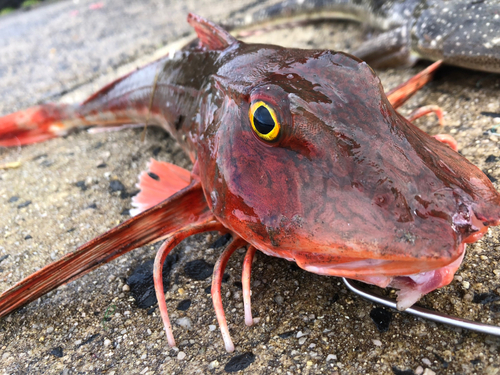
(378, 271)
(413, 277)
(406, 276)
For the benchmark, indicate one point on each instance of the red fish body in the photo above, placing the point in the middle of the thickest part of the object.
(345, 187)
(350, 188)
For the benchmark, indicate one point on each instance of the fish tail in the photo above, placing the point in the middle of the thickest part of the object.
(186, 208)
(46, 121)
(127, 100)
(37, 124)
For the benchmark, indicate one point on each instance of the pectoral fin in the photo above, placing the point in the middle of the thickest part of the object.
(184, 208)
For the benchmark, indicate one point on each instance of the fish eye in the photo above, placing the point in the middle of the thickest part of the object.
(264, 121)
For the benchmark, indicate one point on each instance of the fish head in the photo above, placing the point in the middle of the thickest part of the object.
(305, 158)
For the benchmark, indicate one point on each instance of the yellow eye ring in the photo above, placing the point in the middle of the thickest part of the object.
(266, 125)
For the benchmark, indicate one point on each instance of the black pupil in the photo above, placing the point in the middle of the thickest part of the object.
(263, 120)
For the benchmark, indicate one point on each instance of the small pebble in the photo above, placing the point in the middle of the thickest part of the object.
(300, 334)
(125, 288)
(57, 352)
(78, 342)
(184, 322)
(213, 365)
(239, 362)
(428, 371)
(184, 305)
(107, 342)
(382, 318)
(419, 370)
(181, 356)
(468, 297)
(426, 361)
(212, 327)
(50, 329)
(331, 357)
(377, 342)
(302, 340)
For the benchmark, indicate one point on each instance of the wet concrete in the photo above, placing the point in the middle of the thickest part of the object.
(307, 324)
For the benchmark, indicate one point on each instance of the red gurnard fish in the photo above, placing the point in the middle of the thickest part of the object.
(297, 153)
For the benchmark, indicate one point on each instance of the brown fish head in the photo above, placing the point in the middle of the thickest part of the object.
(305, 158)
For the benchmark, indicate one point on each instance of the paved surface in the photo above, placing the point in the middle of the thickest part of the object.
(57, 47)
(308, 324)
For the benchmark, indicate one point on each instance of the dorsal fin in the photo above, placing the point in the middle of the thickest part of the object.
(211, 36)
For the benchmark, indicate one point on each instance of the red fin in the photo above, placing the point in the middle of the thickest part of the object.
(211, 36)
(185, 208)
(33, 125)
(161, 181)
(399, 95)
(447, 139)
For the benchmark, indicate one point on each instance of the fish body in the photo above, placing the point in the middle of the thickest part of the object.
(463, 33)
(393, 200)
(345, 186)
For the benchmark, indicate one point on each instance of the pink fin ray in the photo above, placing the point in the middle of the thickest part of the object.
(219, 268)
(212, 36)
(245, 281)
(448, 140)
(187, 207)
(164, 250)
(399, 95)
(161, 181)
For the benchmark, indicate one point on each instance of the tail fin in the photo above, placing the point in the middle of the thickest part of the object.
(186, 207)
(33, 125)
(124, 101)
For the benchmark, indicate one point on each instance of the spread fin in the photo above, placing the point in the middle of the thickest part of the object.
(185, 208)
(212, 36)
(161, 181)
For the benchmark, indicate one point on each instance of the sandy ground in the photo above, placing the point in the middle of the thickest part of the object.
(308, 324)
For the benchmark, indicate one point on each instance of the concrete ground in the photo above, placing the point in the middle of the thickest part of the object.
(308, 324)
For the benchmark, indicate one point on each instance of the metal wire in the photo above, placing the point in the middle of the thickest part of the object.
(425, 313)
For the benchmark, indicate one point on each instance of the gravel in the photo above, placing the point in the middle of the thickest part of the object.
(59, 219)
